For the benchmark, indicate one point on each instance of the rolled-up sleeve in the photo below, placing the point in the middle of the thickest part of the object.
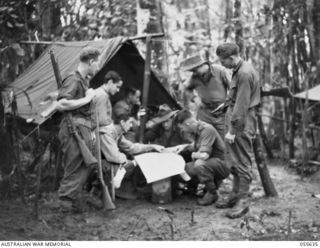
(206, 140)
(242, 103)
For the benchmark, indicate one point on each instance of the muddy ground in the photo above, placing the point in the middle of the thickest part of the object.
(268, 218)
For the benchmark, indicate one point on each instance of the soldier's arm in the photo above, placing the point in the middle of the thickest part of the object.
(206, 140)
(200, 155)
(242, 104)
(226, 79)
(67, 93)
(65, 104)
(111, 150)
(188, 91)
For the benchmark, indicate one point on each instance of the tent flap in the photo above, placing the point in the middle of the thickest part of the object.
(313, 94)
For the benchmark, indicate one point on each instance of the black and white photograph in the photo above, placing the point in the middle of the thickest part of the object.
(161, 121)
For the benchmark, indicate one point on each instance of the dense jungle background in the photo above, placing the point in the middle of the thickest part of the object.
(282, 40)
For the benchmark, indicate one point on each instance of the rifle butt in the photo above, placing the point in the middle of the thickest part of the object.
(107, 201)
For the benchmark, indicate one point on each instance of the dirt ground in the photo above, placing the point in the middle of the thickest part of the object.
(268, 218)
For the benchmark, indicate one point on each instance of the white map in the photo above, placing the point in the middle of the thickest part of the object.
(156, 166)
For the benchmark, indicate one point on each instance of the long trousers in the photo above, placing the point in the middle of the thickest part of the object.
(211, 172)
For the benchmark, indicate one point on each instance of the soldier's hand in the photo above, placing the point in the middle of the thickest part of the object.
(90, 93)
(157, 148)
(52, 96)
(230, 138)
(142, 112)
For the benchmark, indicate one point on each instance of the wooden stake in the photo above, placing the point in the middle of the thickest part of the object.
(146, 86)
(289, 225)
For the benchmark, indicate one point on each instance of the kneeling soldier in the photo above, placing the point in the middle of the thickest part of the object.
(208, 155)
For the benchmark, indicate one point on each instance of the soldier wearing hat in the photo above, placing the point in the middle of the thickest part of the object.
(160, 129)
(211, 82)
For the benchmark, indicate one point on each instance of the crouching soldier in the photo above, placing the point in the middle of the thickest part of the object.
(115, 147)
(208, 155)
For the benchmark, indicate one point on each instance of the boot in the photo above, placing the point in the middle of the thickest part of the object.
(233, 198)
(71, 206)
(208, 199)
(230, 202)
(242, 207)
(65, 206)
(235, 184)
(239, 210)
(94, 201)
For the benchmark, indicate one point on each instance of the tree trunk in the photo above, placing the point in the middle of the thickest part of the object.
(266, 180)
(295, 83)
(238, 27)
(316, 22)
(227, 29)
(264, 138)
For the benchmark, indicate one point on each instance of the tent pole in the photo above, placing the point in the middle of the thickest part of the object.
(138, 37)
(146, 86)
(145, 36)
(42, 42)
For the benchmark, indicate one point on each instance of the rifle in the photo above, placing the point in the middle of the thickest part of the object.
(280, 92)
(87, 156)
(55, 69)
(107, 202)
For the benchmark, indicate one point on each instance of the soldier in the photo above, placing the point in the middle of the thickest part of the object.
(128, 105)
(73, 100)
(160, 129)
(111, 85)
(211, 83)
(117, 147)
(208, 155)
(243, 98)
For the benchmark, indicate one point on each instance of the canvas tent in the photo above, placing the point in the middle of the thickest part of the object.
(118, 54)
(313, 94)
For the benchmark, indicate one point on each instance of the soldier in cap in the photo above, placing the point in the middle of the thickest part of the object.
(243, 98)
(211, 83)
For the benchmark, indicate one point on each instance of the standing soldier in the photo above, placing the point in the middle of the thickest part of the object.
(211, 82)
(75, 129)
(241, 122)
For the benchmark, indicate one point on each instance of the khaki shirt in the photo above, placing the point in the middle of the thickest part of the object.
(244, 94)
(101, 101)
(74, 87)
(209, 141)
(115, 146)
(212, 90)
